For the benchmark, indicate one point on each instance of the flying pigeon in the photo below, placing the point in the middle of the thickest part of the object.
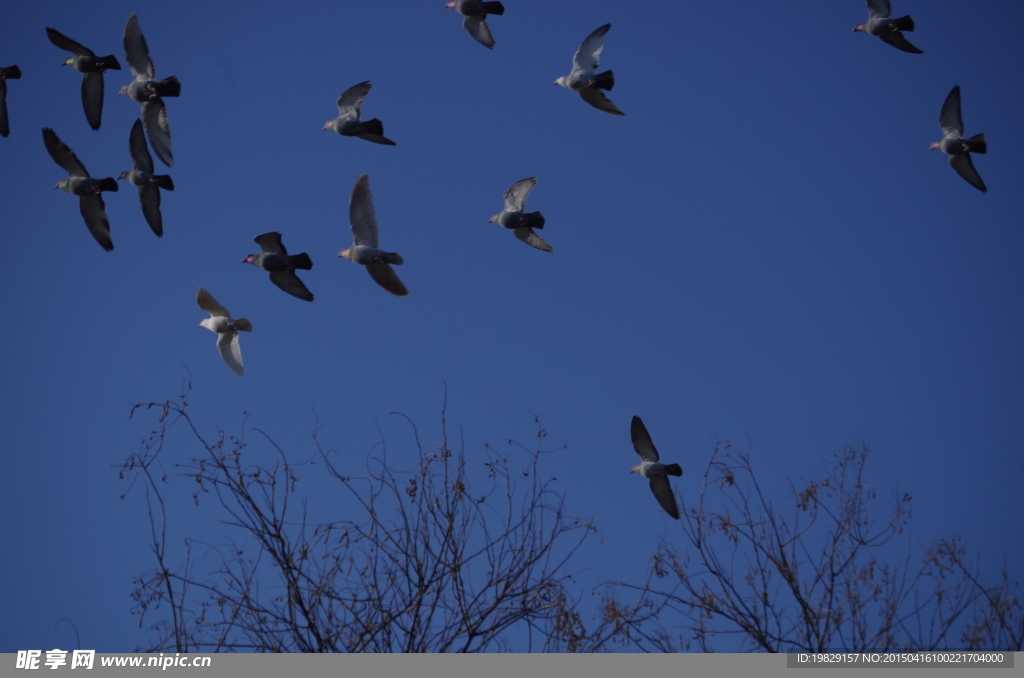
(584, 77)
(347, 124)
(81, 184)
(142, 176)
(650, 468)
(475, 18)
(145, 89)
(955, 146)
(275, 259)
(879, 23)
(522, 223)
(92, 67)
(227, 330)
(365, 240)
(9, 73)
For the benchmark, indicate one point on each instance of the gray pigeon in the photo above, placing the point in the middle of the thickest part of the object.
(888, 29)
(522, 223)
(650, 468)
(584, 77)
(9, 73)
(142, 176)
(475, 18)
(365, 240)
(92, 68)
(145, 89)
(227, 330)
(347, 124)
(81, 184)
(953, 143)
(275, 259)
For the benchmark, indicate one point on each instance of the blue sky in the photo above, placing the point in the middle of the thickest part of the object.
(761, 250)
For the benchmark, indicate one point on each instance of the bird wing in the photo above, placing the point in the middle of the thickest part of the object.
(95, 214)
(949, 119)
(149, 196)
(527, 235)
(66, 43)
(141, 158)
(964, 166)
(351, 100)
(515, 195)
(92, 97)
(361, 213)
(290, 283)
(642, 442)
(5, 129)
(386, 277)
(476, 25)
(137, 51)
(879, 9)
(662, 490)
(598, 100)
(271, 243)
(210, 305)
(154, 115)
(899, 41)
(63, 155)
(230, 351)
(588, 56)
(377, 138)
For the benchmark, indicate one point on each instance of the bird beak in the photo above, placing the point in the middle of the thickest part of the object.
(57, 185)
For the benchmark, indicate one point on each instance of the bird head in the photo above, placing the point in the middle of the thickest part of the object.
(122, 175)
(62, 183)
(70, 61)
(559, 81)
(450, 5)
(858, 27)
(635, 469)
(250, 259)
(123, 91)
(347, 253)
(494, 219)
(328, 125)
(935, 146)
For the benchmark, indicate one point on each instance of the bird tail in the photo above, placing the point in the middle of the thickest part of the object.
(242, 324)
(673, 470)
(494, 8)
(534, 220)
(10, 73)
(605, 80)
(108, 184)
(395, 258)
(110, 62)
(976, 144)
(165, 182)
(300, 261)
(374, 126)
(168, 87)
(903, 23)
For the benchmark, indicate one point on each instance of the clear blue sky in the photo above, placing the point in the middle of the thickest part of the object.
(762, 248)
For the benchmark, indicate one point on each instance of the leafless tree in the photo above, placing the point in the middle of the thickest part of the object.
(828, 577)
(426, 562)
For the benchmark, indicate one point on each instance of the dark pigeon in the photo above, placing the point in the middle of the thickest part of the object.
(348, 124)
(275, 259)
(475, 18)
(888, 29)
(651, 468)
(584, 77)
(955, 145)
(515, 218)
(142, 176)
(81, 184)
(9, 73)
(365, 240)
(92, 68)
(147, 90)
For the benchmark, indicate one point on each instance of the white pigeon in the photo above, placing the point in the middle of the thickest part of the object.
(584, 77)
(651, 468)
(227, 330)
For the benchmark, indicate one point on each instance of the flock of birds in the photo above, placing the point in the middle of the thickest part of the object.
(274, 258)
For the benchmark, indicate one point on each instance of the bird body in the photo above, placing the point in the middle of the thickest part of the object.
(584, 78)
(92, 67)
(149, 184)
(88, 189)
(520, 222)
(881, 24)
(650, 467)
(274, 259)
(348, 123)
(365, 240)
(227, 329)
(954, 144)
(474, 20)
